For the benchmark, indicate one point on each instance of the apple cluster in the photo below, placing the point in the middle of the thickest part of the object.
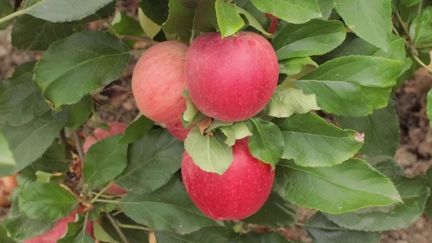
(228, 79)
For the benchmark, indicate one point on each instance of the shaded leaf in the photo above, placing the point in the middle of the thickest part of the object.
(137, 129)
(179, 21)
(156, 10)
(167, 209)
(323, 230)
(152, 161)
(123, 24)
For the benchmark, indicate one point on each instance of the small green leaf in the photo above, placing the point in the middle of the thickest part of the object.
(420, 29)
(322, 230)
(101, 235)
(369, 19)
(228, 18)
(123, 24)
(136, 129)
(275, 212)
(352, 85)
(235, 132)
(381, 130)
(346, 187)
(252, 21)
(311, 141)
(315, 37)
(266, 143)
(65, 10)
(150, 28)
(180, 20)
(94, 60)
(414, 193)
(429, 106)
(167, 209)
(297, 67)
(191, 115)
(76, 234)
(104, 161)
(292, 11)
(152, 161)
(46, 201)
(210, 153)
(30, 33)
(286, 101)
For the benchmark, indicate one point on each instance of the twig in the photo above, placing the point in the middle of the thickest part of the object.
(422, 63)
(78, 147)
(106, 201)
(12, 15)
(117, 228)
(101, 192)
(130, 226)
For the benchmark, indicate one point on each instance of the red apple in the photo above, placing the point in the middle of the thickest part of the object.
(7, 185)
(233, 78)
(114, 128)
(158, 82)
(57, 232)
(178, 130)
(238, 193)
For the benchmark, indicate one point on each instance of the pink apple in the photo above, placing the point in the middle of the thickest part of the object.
(238, 193)
(7, 185)
(178, 130)
(233, 78)
(158, 82)
(57, 232)
(114, 128)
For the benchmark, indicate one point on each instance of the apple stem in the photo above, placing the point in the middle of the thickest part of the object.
(117, 228)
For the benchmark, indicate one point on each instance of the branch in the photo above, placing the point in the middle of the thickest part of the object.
(117, 228)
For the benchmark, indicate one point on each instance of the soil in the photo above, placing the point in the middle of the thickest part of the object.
(115, 103)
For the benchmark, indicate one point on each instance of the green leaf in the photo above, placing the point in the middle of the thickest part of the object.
(76, 234)
(326, 7)
(5, 9)
(167, 209)
(254, 237)
(7, 158)
(352, 85)
(46, 201)
(315, 37)
(137, 129)
(266, 143)
(381, 130)
(19, 226)
(322, 230)
(30, 33)
(369, 19)
(414, 193)
(133, 235)
(205, 16)
(191, 115)
(94, 60)
(150, 28)
(180, 20)
(101, 235)
(30, 140)
(292, 11)
(20, 98)
(297, 67)
(429, 106)
(210, 153)
(55, 159)
(205, 235)
(156, 10)
(311, 141)
(286, 101)
(64, 10)
(346, 187)
(152, 161)
(252, 21)
(275, 212)
(104, 161)
(79, 113)
(228, 18)
(4, 238)
(123, 24)
(235, 132)
(421, 28)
